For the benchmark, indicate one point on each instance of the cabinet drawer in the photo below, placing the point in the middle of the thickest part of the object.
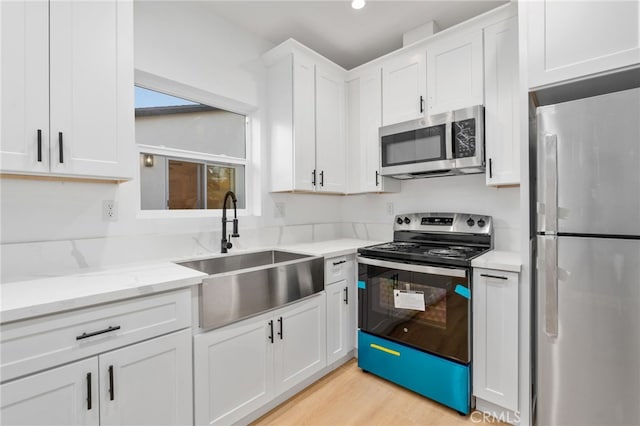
(336, 269)
(39, 343)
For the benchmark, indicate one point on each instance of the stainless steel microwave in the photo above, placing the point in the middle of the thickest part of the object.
(446, 144)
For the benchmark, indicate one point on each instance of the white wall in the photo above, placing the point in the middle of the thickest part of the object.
(467, 194)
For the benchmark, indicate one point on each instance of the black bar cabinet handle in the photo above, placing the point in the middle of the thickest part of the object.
(339, 262)
(421, 104)
(313, 177)
(112, 391)
(95, 333)
(490, 168)
(494, 276)
(377, 181)
(89, 398)
(60, 147)
(346, 295)
(40, 145)
(280, 333)
(322, 178)
(271, 331)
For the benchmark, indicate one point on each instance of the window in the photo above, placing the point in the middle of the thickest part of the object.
(191, 154)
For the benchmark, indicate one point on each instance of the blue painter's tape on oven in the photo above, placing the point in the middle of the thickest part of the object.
(463, 291)
(442, 380)
(362, 285)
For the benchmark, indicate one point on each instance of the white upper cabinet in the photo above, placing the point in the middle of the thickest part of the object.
(502, 112)
(403, 87)
(571, 40)
(304, 128)
(330, 131)
(67, 84)
(25, 86)
(454, 72)
(306, 109)
(363, 144)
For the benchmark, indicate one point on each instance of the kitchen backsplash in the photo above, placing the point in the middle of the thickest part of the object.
(31, 260)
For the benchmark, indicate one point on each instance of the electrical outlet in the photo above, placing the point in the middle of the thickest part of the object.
(279, 211)
(390, 209)
(109, 210)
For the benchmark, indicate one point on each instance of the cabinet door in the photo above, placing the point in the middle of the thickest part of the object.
(65, 395)
(355, 160)
(403, 87)
(364, 98)
(454, 73)
(330, 131)
(370, 122)
(495, 337)
(301, 342)
(148, 383)
(24, 54)
(304, 124)
(569, 40)
(337, 319)
(502, 112)
(234, 370)
(91, 88)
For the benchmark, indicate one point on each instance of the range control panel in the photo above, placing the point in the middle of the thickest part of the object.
(467, 223)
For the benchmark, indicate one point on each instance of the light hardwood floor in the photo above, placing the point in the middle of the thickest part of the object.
(348, 396)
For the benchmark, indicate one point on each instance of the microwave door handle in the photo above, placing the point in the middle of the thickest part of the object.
(448, 141)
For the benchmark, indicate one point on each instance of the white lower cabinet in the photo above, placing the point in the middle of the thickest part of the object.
(495, 337)
(148, 383)
(339, 338)
(59, 396)
(122, 363)
(241, 367)
(341, 306)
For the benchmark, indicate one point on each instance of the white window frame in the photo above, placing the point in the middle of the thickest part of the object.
(252, 151)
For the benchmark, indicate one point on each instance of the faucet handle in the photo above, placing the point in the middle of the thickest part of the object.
(228, 244)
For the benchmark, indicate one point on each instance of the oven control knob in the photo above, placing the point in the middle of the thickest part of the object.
(399, 221)
(407, 220)
(481, 223)
(471, 222)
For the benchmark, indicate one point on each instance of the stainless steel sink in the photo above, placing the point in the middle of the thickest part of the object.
(243, 285)
(222, 264)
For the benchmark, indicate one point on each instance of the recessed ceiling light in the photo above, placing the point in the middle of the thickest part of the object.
(357, 4)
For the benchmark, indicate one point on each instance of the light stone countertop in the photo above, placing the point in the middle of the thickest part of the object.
(499, 260)
(25, 299)
(331, 248)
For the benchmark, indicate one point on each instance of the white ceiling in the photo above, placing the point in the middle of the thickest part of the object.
(346, 36)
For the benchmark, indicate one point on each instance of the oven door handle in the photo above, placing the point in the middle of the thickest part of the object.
(451, 272)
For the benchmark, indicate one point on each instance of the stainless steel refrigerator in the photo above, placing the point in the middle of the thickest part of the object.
(588, 261)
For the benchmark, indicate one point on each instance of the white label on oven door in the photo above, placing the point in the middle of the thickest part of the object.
(407, 299)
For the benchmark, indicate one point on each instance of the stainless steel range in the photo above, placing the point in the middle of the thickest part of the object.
(415, 309)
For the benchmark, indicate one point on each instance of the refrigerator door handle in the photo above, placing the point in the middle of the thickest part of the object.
(549, 210)
(548, 273)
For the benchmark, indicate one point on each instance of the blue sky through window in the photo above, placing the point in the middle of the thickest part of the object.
(149, 98)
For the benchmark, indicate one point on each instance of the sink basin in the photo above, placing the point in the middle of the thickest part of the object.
(222, 264)
(243, 285)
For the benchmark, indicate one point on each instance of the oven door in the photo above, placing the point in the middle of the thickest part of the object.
(426, 307)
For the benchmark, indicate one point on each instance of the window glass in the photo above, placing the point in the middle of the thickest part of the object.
(196, 133)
